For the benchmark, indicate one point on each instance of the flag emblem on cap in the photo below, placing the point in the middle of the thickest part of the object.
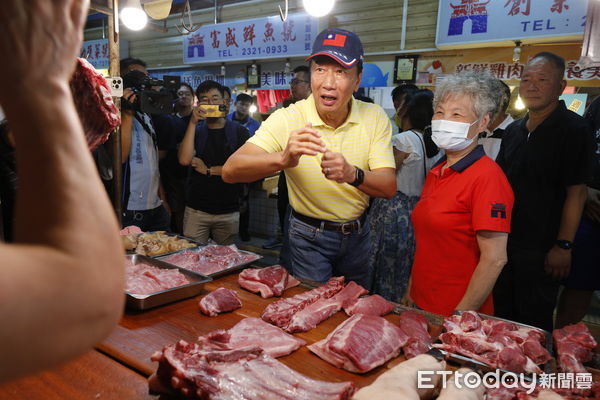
(335, 39)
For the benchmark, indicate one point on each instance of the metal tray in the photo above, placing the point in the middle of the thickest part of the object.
(146, 301)
(198, 244)
(549, 367)
(222, 272)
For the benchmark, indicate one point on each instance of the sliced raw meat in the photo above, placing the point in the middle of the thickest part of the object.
(574, 345)
(371, 305)
(280, 312)
(98, 113)
(220, 301)
(361, 343)
(145, 279)
(243, 374)
(270, 281)
(254, 332)
(210, 259)
(309, 317)
(500, 344)
(415, 326)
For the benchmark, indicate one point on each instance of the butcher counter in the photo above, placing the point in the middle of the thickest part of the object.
(118, 368)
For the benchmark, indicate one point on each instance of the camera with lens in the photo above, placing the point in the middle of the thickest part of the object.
(152, 96)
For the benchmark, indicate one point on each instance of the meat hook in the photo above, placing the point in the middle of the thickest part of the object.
(190, 27)
(281, 14)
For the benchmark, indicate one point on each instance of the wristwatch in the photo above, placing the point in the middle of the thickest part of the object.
(208, 171)
(564, 244)
(360, 177)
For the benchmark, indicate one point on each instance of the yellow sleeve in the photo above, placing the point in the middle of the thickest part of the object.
(381, 154)
(273, 133)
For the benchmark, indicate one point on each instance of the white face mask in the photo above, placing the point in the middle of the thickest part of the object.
(451, 135)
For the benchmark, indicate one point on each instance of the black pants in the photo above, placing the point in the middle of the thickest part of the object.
(156, 219)
(283, 201)
(524, 292)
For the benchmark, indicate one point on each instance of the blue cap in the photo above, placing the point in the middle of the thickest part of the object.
(341, 45)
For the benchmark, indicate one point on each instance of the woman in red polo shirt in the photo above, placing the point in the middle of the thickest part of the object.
(462, 220)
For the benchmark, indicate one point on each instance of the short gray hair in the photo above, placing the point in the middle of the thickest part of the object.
(482, 88)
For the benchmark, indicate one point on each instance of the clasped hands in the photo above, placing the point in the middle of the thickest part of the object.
(308, 141)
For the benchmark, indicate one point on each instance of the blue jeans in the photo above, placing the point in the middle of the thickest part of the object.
(317, 254)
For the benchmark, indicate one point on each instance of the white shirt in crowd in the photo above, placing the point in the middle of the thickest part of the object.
(491, 140)
(410, 177)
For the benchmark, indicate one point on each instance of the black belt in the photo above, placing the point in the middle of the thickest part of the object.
(346, 228)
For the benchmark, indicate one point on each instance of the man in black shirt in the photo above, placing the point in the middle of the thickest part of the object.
(212, 206)
(547, 157)
(584, 277)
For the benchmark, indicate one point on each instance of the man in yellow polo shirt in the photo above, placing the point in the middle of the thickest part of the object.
(336, 152)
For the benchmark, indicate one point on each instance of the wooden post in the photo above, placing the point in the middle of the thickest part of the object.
(114, 70)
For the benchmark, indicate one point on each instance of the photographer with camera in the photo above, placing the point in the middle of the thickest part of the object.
(142, 192)
(212, 206)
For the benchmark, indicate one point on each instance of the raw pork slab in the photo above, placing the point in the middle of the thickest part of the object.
(361, 343)
(415, 326)
(270, 281)
(243, 374)
(280, 312)
(574, 345)
(98, 113)
(254, 332)
(220, 301)
(371, 305)
(317, 312)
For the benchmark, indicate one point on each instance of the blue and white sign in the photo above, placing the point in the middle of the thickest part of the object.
(470, 22)
(251, 39)
(96, 52)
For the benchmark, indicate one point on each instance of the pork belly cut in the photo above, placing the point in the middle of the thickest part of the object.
(280, 312)
(269, 281)
(361, 343)
(574, 345)
(219, 301)
(371, 305)
(312, 315)
(415, 326)
(254, 332)
(199, 373)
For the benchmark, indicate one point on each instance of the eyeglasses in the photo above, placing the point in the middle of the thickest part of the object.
(297, 81)
(181, 94)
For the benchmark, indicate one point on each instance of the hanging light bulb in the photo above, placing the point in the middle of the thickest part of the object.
(519, 105)
(223, 69)
(318, 8)
(133, 16)
(517, 52)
